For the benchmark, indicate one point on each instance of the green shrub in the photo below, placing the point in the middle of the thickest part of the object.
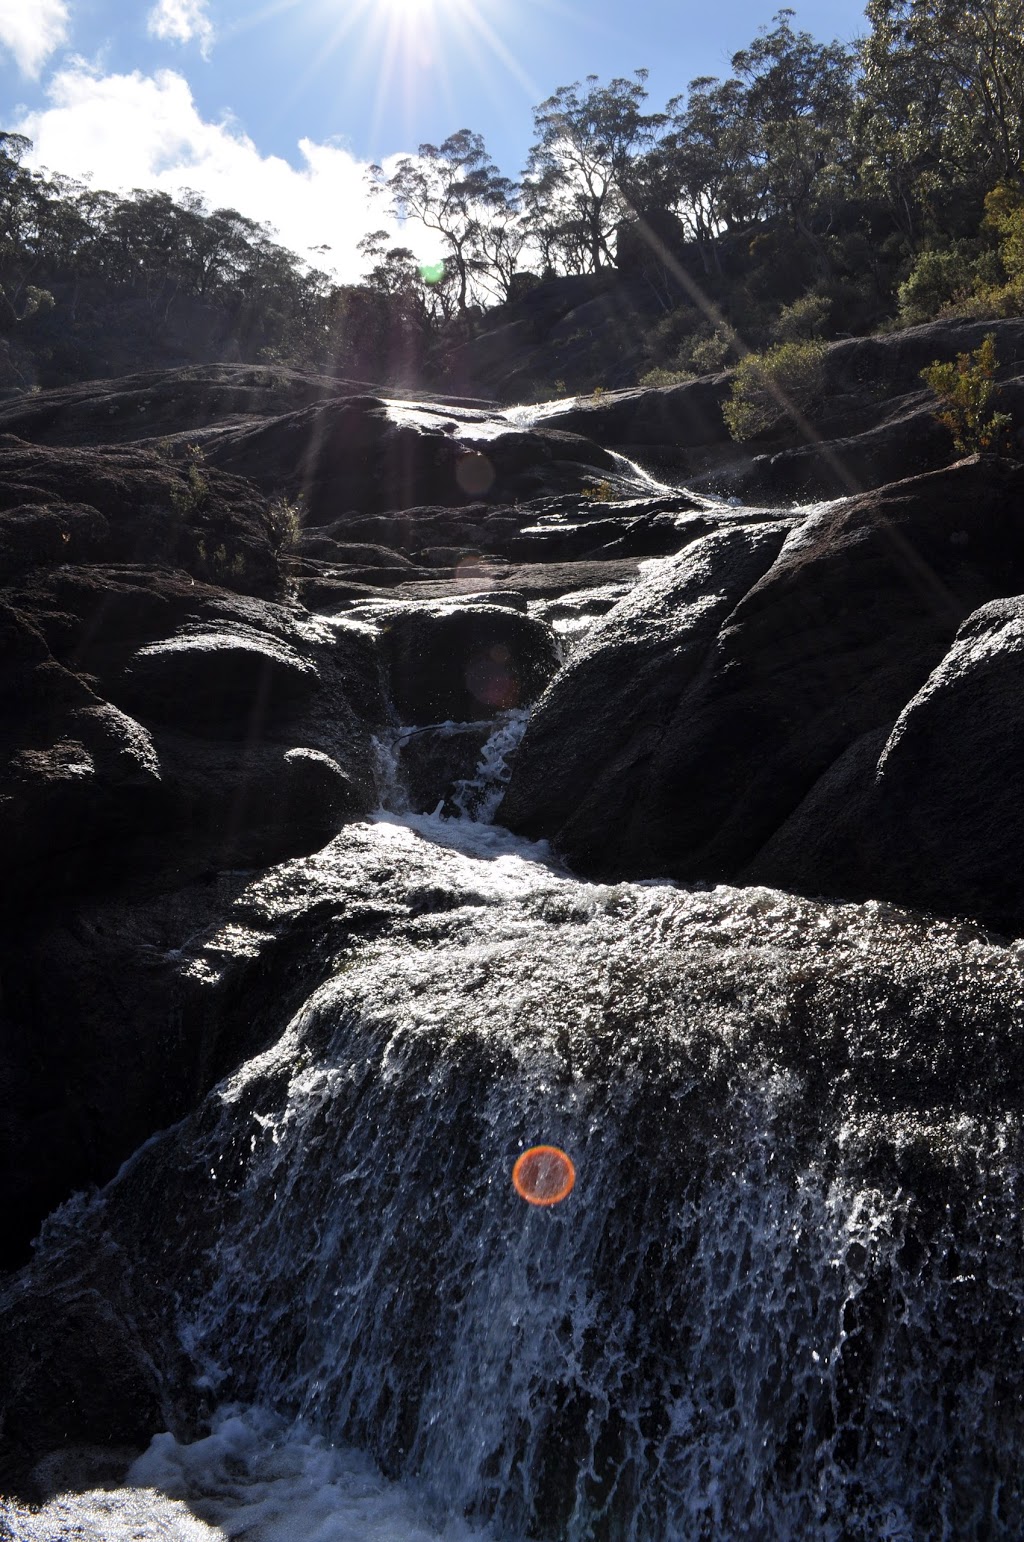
(192, 494)
(966, 391)
(600, 492)
(664, 377)
(767, 386)
(708, 351)
(283, 523)
(937, 282)
(805, 318)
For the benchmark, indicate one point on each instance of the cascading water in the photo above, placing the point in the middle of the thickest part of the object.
(785, 1299)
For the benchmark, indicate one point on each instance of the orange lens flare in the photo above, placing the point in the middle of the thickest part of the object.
(544, 1175)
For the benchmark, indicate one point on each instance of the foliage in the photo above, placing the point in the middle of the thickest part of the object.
(586, 167)
(805, 318)
(937, 281)
(191, 495)
(966, 391)
(708, 351)
(664, 377)
(816, 188)
(767, 386)
(283, 523)
(600, 492)
(455, 189)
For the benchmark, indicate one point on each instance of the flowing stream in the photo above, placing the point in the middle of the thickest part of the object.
(784, 1301)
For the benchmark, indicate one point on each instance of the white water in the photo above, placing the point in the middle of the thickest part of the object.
(255, 1476)
(478, 426)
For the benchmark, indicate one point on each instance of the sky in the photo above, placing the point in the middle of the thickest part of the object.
(277, 107)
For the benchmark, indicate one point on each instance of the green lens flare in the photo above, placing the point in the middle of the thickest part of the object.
(432, 272)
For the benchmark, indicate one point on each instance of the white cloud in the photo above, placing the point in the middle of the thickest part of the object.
(32, 30)
(127, 131)
(179, 21)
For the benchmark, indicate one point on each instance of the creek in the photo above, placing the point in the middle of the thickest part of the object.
(784, 1300)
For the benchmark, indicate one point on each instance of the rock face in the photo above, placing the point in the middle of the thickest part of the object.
(760, 670)
(929, 811)
(365, 454)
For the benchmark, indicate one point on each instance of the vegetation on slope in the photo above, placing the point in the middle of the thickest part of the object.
(821, 189)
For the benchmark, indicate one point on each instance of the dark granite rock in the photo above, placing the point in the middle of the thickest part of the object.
(131, 505)
(928, 812)
(449, 661)
(230, 679)
(695, 719)
(360, 453)
(593, 731)
(431, 760)
(160, 402)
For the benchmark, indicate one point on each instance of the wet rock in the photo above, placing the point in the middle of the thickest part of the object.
(683, 734)
(684, 416)
(449, 661)
(594, 731)
(817, 1103)
(929, 811)
(536, 580)
(360, 453)
(232, 679)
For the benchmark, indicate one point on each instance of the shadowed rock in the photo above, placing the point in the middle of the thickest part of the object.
(703, 710)
(464, 662)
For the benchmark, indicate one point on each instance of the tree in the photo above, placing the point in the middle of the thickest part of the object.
(704, 164)
(797, 101)
(582, 172)
(941, 106)
(452, 188)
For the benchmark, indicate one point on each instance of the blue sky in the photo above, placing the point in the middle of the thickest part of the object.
(277, 108)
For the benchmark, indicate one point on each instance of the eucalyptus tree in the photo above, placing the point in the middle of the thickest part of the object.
(941, 102)
(798, 100)
(453, 189)
(582, 173)
(702, 168)
(504, 240)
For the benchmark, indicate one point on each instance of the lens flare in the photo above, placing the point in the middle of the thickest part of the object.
(491, 678)
(474, 474)
(544, 1175)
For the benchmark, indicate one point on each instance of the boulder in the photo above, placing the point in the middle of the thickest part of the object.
(230, 679)
(465, 662)
(594, 730)
(236, 803)
(81, 780)
(699, 713)
(929, 812)
(131, 505)
(42, 534)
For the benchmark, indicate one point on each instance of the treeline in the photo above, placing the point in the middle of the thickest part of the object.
(92, 282)
(820, 188)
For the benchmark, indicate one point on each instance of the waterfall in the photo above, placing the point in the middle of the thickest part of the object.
(784, 1300)
(763, 1311)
